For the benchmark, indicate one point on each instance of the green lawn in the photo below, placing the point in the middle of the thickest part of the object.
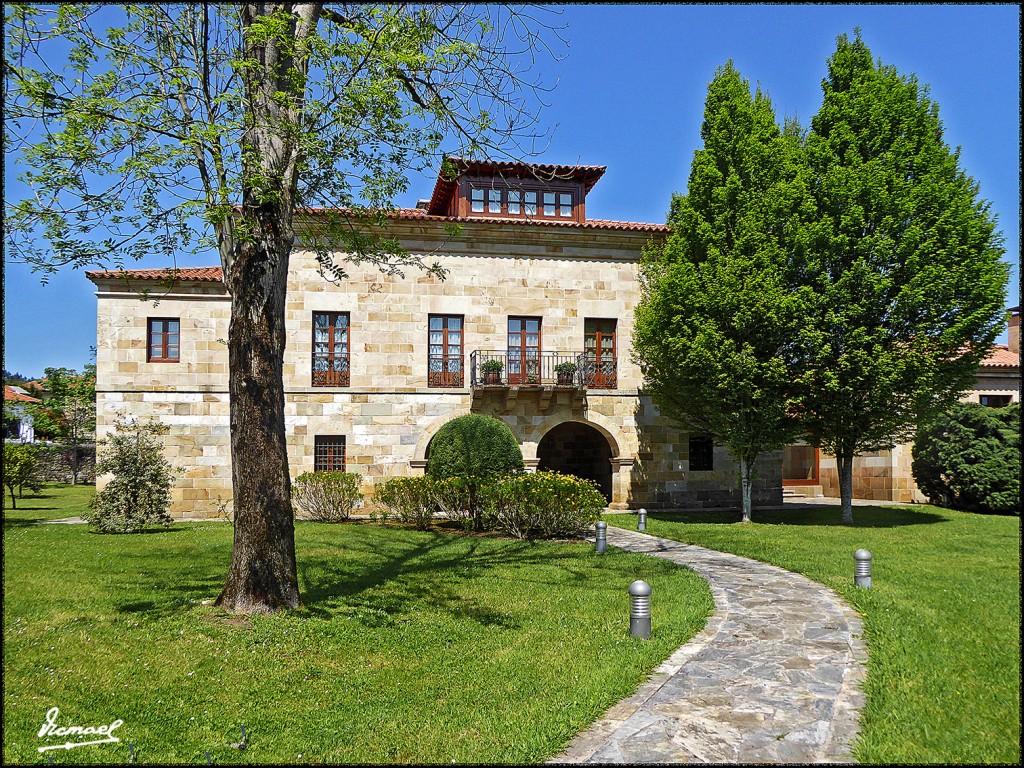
(942, 619)
(411, 646)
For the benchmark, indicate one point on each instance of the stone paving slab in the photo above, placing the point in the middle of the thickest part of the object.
(774, 677)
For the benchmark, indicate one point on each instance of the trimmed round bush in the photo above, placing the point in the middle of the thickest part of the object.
(969, 459)
(328, 497)
(474, 446)
(542, 505)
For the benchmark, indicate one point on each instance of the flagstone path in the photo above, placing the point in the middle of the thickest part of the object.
(774, 677)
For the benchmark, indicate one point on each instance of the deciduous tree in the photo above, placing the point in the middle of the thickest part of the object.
(718, 328)
(906, 264)
(68, 412)
(143, 124)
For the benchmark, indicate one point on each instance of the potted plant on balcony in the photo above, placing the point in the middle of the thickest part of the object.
(491, 369)
(565, 373)
(532, 372)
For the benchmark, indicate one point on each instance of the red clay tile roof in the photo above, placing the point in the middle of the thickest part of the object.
(1001, 357)
(200, 274)
(10, 394)
(421, 215)
(444, 188)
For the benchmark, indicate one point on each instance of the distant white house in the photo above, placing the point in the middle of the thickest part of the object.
(17, 422)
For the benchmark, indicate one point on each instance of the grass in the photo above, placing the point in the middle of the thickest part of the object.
(411, 646)
(942, 618)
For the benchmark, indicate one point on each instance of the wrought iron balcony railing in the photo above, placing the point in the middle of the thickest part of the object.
(515, 368)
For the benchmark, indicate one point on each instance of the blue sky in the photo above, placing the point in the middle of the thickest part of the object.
(630, 96)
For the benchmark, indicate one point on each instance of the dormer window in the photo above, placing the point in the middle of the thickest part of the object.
(516, 202)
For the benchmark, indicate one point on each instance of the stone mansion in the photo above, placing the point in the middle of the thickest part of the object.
(532, 325)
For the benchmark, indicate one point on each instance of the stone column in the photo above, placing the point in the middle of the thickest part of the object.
(531, 464)
(622, 471)
(419, 466)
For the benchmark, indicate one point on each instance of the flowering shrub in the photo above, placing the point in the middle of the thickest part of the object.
(328, 497)
(542, 505)
(411, 500)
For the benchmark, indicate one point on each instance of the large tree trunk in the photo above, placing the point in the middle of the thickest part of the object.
(262, 576)
(746, 472)
(844, 463)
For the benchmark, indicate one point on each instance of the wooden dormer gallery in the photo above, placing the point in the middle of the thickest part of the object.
(506, 190)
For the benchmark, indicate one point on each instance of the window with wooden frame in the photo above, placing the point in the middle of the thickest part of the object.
(702, 453)
(330, 349)
(163, 342)
(600, 367)
(329, 453)
(496, 199)
(524, 350)
(444, 351)
(995, 401)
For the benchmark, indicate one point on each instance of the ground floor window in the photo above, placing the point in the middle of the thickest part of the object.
(995, 401)
(702, 453)
(329, 453)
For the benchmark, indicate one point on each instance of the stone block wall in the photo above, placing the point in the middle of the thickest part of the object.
(388, 413)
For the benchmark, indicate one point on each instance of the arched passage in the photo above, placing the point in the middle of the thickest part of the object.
(575, 448)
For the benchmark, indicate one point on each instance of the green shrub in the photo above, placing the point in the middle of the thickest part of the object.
(474, 448)
(409, 499)
(328, 497)
(969, 459)
(20, 464)
(140, 492)
(542, 505)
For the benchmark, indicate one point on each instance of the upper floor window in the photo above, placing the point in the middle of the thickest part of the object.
(163, 340)
(599, 346)
(330, 349)
(444, 351)
(329, 453)
(519, 202)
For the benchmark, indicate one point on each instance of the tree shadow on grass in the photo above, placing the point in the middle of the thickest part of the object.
(863, 517)
(434, 571)
(365, 575)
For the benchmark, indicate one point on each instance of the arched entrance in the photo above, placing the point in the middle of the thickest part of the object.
(574, 448)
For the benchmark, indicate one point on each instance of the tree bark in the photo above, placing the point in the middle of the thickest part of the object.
(746, 468)
(262, 576)
(844, 463)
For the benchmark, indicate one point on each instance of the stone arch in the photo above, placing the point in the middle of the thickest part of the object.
(427, 435)
(617, 441)
(428, 432)
(580, 449)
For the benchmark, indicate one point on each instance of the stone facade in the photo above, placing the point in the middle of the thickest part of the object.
(563, 273)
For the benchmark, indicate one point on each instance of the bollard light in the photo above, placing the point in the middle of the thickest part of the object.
(641, 519)
(862, 568)
(601, 540)
(640, 609)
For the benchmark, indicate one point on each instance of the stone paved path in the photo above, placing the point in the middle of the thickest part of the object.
(774, 677)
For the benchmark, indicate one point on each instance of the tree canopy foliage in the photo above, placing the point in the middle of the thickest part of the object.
(718, 330)
(140, 126)
(906, 263)
(969, 458)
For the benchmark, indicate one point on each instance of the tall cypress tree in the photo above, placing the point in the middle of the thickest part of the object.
(906, 264)
(717, 331)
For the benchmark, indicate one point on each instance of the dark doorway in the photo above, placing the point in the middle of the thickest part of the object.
(578, 449)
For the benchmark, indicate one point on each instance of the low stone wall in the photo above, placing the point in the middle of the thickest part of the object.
(55, 464)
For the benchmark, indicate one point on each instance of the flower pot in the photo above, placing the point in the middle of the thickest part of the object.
(492, 377)
(564, 379)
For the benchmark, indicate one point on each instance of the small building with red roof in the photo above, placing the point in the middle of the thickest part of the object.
(17, 420)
